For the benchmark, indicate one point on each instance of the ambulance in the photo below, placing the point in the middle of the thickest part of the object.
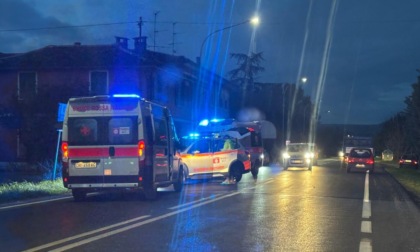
(119, 142)
(216, 155)
(253, 136)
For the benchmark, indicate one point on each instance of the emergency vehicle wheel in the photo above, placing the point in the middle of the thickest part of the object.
(78, 195)
(180, 182)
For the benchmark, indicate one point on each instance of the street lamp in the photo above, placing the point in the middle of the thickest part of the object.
(254, 21)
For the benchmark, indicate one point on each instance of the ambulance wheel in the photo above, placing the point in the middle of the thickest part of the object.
(180, 181)
(150, 192)
(78, 195)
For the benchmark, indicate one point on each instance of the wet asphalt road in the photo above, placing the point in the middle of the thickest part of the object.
(295, 210)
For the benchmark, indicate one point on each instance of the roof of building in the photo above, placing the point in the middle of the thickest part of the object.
(84, 56)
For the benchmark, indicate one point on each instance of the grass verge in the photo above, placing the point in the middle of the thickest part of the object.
(408, 177)
(26, 190)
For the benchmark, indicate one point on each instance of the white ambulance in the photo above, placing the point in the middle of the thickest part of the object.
(119, 142)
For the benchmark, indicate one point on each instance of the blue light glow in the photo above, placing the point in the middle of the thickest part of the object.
(216, 120)
(126, 96)
(204, 122)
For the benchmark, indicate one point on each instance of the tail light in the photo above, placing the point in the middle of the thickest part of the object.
(350, 160)
(370, 161)
(141, 147)
(65, 151)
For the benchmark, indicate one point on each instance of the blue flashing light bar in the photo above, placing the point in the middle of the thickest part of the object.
(216, 120)
(194, 134)
(204, 122)
(126, 96)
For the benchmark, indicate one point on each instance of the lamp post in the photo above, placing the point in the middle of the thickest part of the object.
(254, 21)
(304, 116)
(284, 88)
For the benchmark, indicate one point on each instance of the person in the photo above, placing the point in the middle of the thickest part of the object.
(228, 145)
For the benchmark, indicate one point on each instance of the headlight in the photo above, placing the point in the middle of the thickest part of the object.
(309, 155)
(341, 154)
(286, 155)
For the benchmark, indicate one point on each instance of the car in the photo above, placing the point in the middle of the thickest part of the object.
(214, 156)
(410, 160)
(300, 155)
(360, 159)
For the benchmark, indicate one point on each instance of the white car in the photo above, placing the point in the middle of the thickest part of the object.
(300, 155)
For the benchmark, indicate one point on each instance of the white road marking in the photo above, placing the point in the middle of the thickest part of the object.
(365, 245)
(366, 213)
(366, 227)
(366, 196)
(85, 234)
(35, 203)
(116, 231)
(195, 201)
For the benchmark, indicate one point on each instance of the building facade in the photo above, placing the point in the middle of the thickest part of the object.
(32, 84)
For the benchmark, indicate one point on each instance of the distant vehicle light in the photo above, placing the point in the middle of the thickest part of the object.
(126, 96)
(341, 154)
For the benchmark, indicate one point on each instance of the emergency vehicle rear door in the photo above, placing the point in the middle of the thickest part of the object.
(161, 143)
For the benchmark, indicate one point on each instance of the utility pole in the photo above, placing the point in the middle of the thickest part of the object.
(173, 38)
(140, 24)
(155, 31)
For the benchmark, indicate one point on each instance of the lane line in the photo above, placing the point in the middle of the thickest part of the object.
(85, 234)
(116, 231)
(366, 196)
(35, 203)
(366, 227)
(195, 201)
(365, 244)
(367, 212)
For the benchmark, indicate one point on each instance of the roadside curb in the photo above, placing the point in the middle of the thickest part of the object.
(414, 197)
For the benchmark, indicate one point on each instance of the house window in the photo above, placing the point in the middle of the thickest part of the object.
(27, 85)
(98, 83)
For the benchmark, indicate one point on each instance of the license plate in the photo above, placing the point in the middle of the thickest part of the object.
(296, 161)
(79, 165)
(360, 165)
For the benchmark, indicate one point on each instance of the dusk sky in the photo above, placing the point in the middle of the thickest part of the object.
(360, 56)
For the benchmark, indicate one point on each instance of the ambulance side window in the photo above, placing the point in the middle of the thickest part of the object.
(83, 131)
(201, 146)
(122, 131)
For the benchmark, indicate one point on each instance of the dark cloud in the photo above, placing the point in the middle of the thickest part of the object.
(19, 28)
(374, 49)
